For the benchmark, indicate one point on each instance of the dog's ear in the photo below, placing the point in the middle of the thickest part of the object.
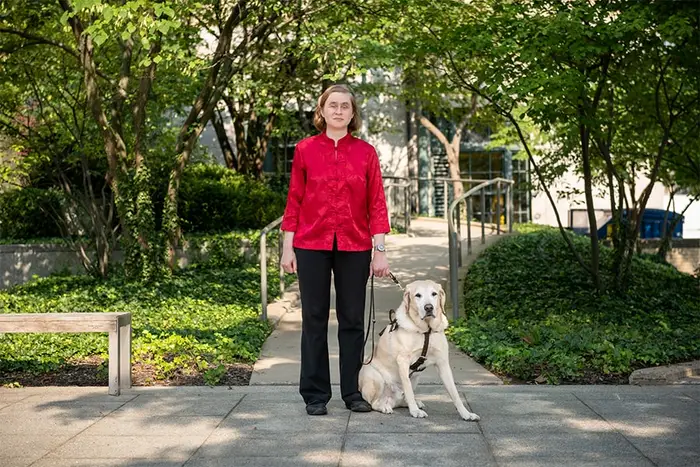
(406, 302)
(442, 298)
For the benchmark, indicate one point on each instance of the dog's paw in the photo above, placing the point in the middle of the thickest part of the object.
(418, 413)
(469, 416)
(420, 404)
(386, 409)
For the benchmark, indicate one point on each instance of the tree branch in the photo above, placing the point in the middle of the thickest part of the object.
(42, 40)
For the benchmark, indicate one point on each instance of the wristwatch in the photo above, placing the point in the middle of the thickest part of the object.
(380, 247)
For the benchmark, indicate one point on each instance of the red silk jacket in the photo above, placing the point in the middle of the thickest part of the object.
(335, 191)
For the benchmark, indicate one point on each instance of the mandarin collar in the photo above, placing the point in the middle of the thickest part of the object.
(345, 139)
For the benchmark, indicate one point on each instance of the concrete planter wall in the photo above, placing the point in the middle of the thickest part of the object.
(21, 263)
(684, 254)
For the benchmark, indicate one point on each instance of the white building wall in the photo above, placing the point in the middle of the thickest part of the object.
(691, 218)
(543, 213)
(384, 126)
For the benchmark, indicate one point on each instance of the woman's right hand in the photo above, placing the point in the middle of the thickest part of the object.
(289, 261)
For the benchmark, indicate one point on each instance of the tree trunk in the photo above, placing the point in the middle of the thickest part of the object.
(224, 143)
(636, 216)
(667, 238)
(590, 208)
(452, 154)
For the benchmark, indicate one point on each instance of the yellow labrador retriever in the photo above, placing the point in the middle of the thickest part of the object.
(402, 352)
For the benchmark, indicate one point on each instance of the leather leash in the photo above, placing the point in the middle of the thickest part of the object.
(373, 315)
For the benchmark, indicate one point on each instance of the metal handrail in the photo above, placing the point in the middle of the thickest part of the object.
(432, 184)
(455, 233)
(406, 185)
(263, 264)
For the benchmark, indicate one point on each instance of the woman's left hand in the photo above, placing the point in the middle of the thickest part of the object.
(379, 265)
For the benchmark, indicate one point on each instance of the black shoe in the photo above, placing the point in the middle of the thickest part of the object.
(316, 408)
(359, 406)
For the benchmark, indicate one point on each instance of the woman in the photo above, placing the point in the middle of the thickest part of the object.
(335, 209)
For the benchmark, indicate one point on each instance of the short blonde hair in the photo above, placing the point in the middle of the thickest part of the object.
(320, 122)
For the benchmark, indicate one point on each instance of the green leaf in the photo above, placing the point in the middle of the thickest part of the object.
(108, 12)
(99, 38)
(164, 27)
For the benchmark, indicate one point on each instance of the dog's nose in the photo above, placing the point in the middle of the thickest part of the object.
(428, 309)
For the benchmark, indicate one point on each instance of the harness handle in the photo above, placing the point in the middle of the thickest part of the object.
(372, 314)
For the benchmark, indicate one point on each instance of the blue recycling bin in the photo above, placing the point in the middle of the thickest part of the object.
(652, 224)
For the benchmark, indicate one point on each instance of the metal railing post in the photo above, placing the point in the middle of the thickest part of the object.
(510, 208)
(407, 205)
(469, 225)
(454, 247)
(431, 190)
(280, 247)
(263, 274)
(498, 208)
(459, 235)
(483, 213)
(445, 200)
(263, 265)
(454, 268)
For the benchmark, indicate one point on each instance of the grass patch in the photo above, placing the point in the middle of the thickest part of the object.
(533, 315)
(199, 326)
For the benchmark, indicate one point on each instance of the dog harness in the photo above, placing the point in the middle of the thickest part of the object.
(417, 366)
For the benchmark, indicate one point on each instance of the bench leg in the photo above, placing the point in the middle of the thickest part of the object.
(125, 356)
(114, 363)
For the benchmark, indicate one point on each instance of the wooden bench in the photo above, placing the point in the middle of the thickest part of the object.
(118, 325)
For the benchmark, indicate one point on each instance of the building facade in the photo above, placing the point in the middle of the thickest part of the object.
(408, 151)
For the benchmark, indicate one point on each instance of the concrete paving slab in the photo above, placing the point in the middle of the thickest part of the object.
(518, 394)
(7, 396)
(237, 461)
(520, 426)
(17, 423)
(665, 430)
(671, 453)
(442, 418)
(274, 417)
(28, 446)
(515, 406)
(542, 424)
(90, 395)
(148, 424)
(16, 462)
(105, 463)
(161, 448)
(187, 406)
(74, 409)
(228, 444)
(575, 461)
(601, 449)
(633, 393)
(416, 449)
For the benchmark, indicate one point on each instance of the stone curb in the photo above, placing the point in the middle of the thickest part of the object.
(290, 299)
(667, 374)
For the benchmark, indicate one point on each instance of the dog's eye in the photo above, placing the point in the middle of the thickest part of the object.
(418, 295)
(434, 294)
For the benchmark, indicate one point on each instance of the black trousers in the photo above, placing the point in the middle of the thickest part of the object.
(350, 272)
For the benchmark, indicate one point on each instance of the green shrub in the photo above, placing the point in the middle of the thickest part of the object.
(532, 313)
(214, 199)
(29, 213)
(186, 325)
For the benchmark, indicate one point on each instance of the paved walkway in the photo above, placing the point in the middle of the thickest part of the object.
(265, 424)
(596, 426)
(422, 255)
